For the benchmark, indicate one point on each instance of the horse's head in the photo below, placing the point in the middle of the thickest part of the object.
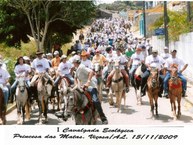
(97, 68)
(52, 72)
(117, 65)
(21, 83)
(174, 74)
(44, 84)
(154, 77)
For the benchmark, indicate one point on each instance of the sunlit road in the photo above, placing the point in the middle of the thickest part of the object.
(131, 115)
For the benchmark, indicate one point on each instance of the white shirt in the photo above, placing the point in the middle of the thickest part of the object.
(155, 61)
(20, 69)
(111, 57)
(4, 75)
(137, 58)
(64, 68)
(122, 60)
(170, 61)
(82, 73)
(165, 55)
(40, 65)
(87, 63)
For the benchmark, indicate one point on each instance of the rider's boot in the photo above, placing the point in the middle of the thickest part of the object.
(98, 107)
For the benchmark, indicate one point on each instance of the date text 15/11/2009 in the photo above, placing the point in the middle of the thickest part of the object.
(158, 136)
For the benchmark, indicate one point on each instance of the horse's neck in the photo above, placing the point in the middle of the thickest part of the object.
(117, 74)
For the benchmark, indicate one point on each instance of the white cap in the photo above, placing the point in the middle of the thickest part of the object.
(26, 58)
(166, 48)
(56, 52)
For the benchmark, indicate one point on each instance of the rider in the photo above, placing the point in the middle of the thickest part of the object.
(136, 59)
(4, 82)
(84, 77)
(40, 65)
(56, 60)
(166, 54)
(87, 62)
(21, 69)
(99, 58)
(123, 62)
(153, 60)
(64, 70)
(181, 67)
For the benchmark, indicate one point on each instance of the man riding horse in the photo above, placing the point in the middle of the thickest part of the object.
(155, 61)
(84, 78)
(123, 63)
(181, 66)
(40, 65)
(136, 59)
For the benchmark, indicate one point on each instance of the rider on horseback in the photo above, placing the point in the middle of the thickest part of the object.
(136, 59)
(123, 62)
(153, 60)
(179, 63)
(4, 81)
(21, 69)
(84, 77)
(64, 70)
(40, 65)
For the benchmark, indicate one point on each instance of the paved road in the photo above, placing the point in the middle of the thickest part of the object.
(131, 115)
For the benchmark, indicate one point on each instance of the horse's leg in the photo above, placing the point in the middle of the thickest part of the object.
(46, 109)
(40, 111)
(23, 114)
(151, 105)
(28, 109)
(179, 106)
(18, 112)
(173, 105)
(156, 106)
(110, 98)
(124, 97)
(65, 117)
(1, 108)
(119, 96)
(138, 96)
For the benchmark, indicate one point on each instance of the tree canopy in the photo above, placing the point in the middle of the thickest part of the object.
(43, 20)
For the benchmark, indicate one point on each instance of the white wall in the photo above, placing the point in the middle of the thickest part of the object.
(184, 49)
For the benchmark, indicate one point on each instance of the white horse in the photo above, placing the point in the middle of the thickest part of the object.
(98, 75)
(21, 98)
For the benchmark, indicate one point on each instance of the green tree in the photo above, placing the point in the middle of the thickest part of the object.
(42, 17)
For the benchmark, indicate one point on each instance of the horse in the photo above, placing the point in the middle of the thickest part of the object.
(81, 106)
(54, 98)
(137, 82)
(153, 90)
(175, 92)
(118, 85)
(98, 75)
(21, 98)
(44, 87)
(2, 107)
(63, 92)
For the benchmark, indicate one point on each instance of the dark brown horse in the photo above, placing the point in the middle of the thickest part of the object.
(175, 92)
(153, 91)
(2, 108)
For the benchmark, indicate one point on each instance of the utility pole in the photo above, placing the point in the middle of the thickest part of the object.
(188, 11)
(144, 19)
(166, 24)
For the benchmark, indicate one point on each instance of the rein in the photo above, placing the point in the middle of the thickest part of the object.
(117, 80)
(84, 109)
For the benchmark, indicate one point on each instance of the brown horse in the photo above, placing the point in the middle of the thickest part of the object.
(118, 86)
(153, 90)
(44, 87)
(2, 108)
(175, 92)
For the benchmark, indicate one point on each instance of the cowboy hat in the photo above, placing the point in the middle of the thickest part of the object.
(39, 52)
(63, 57)
(83, 53)
(56, 52)
(154, 51)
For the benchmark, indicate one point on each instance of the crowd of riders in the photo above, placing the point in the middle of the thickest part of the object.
(105, 41)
